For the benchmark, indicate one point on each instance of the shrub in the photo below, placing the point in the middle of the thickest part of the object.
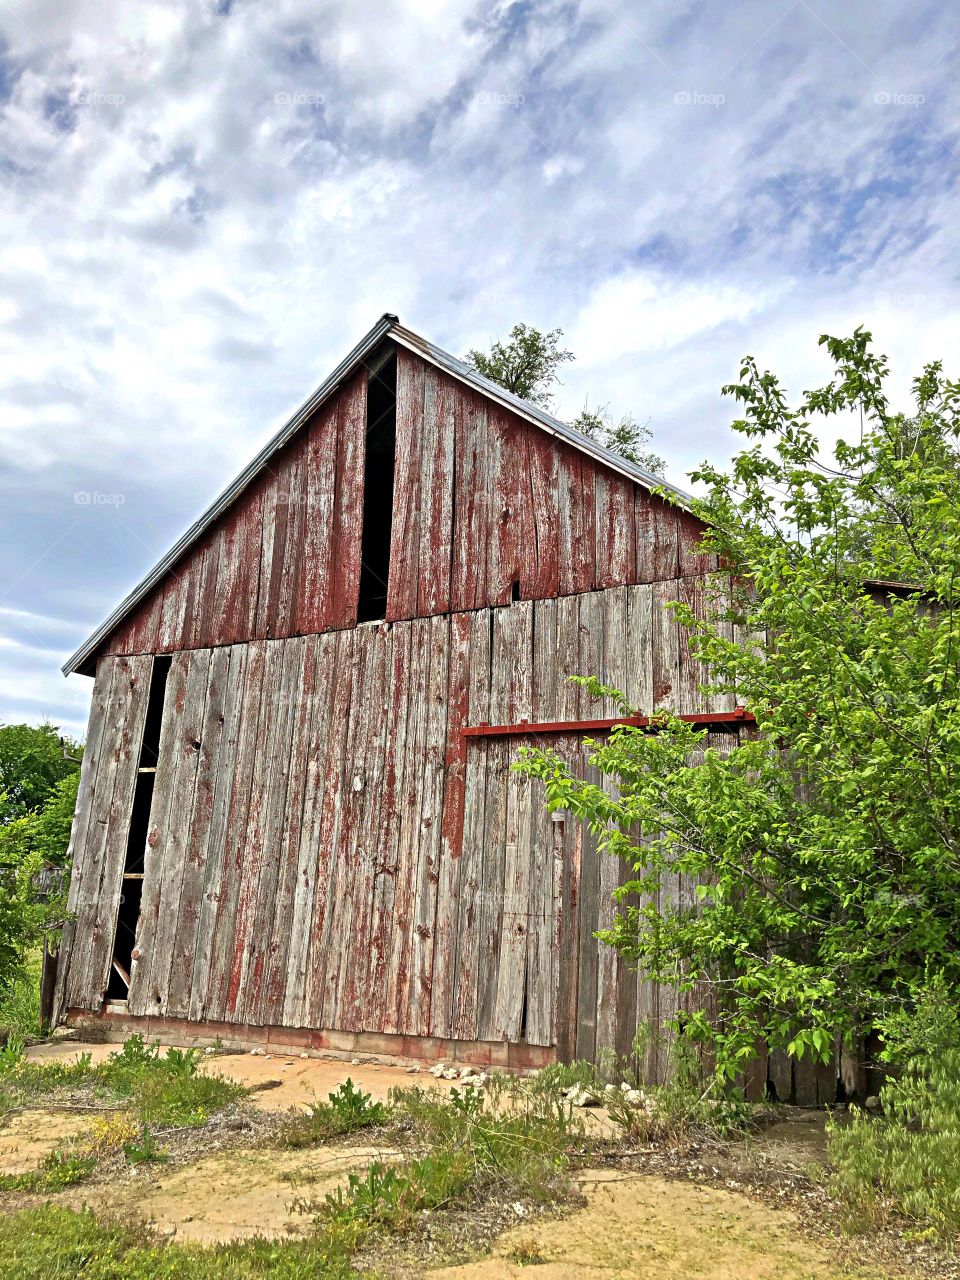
(346, 1110)
(904, 1163)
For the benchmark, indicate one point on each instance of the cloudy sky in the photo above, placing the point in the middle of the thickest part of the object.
(205, 203)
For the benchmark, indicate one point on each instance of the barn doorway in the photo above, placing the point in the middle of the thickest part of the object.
(378, 473)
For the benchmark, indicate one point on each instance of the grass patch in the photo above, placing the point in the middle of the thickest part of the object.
(162, 1090)
(347, 1110)
(58, 1244)
(466, 1148)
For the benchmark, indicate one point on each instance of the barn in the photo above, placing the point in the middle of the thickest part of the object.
(297, 824)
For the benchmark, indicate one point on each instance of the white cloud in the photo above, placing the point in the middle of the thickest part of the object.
(201, 213)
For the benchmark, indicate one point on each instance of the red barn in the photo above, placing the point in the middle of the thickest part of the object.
(297, 822)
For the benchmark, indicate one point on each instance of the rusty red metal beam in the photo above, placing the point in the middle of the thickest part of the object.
(740, 715)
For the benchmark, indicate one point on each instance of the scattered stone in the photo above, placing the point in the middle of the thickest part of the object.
(354, 1062)
(872, 1103)
(451, 1073)
(438, 1069)
(209, 1050)
(304, 1055)
(412, 1071)
(257, 1053)
(466, 1073)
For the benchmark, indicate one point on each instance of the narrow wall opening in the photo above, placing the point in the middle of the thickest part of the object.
(378, 473)
(131, 891)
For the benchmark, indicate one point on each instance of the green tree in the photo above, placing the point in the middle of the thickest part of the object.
(627, 437)
(825, 847)
(32, 762)
(525, 364)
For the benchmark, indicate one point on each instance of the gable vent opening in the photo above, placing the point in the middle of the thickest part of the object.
(378, 472)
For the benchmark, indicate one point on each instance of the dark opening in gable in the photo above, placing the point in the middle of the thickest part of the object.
(378, 487)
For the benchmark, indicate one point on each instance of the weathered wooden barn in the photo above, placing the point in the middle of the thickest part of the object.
(297, 823)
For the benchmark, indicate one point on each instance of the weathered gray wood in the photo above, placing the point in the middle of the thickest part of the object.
(453, 716)
(307, 860)
(286, 666)
(176, 833)
(492, 893)
(77, 851)
(388, 819)
(143, 997)
(272, 997)
(222, 946)
(335, 784)
(98, 922)
(251, 850)
(197, 853)
(215, 871)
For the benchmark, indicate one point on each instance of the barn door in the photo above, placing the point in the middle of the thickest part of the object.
(101, 829)
(534, 892)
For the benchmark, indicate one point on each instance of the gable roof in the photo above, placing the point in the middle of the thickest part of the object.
(387, 327)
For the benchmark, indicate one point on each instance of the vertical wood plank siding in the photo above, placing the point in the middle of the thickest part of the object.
(326, 849)
(483, 500)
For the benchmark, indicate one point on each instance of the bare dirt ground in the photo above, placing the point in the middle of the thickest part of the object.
(649, 1213)
(648, 1228)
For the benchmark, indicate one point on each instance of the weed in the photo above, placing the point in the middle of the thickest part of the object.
(143, 1150)
(108, 1133)
(60, 1169)
(347, 1110)
(527, 1253)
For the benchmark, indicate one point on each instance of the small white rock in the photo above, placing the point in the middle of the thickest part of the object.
(451, 1074)
(304, 1055)
(438, 1069)
(354, 1062)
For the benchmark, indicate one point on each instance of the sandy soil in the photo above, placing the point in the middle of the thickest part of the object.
(231, 1196)
(634, 1224)
(294, 1081)
(647, 1228)
(28, 1138)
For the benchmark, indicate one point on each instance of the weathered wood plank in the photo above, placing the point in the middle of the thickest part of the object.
(175, 835)
(454, 716)
(243, 944)
(143, 997)
(78, 851)
(405, 531)
(312, 607)
(215, 871)
(276, 964)
(468, 577)
(336, 781)
(249, 749)
(289, 657)
(197, 854)
(296, 999)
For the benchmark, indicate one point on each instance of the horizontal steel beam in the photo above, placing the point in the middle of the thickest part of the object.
(740, 715)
